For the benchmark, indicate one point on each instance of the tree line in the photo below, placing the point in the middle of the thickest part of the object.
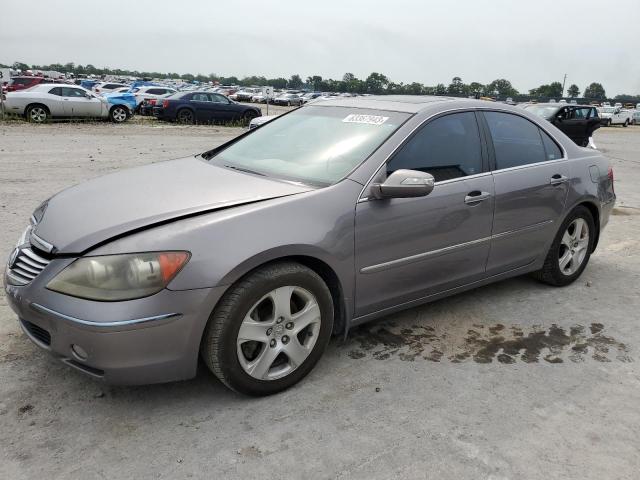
(375, 83)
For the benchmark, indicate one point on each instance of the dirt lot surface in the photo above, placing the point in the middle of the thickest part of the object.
(515, 380)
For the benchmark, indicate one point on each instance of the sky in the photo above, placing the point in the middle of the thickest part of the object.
(529, 42)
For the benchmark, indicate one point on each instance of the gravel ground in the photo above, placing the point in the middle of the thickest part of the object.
(513, 380)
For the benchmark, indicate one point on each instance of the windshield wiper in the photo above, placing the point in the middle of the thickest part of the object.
(246, 170)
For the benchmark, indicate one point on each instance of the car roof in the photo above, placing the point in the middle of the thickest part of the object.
(560, 105)
(396, 103)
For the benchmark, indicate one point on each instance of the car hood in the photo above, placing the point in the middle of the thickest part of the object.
(108, 207)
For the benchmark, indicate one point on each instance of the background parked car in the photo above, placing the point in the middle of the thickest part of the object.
(203, 107)
(153, 92)
(310, 96)
(615, 116)
(22, 83)
(46, 101)
(578, 122)
(288, 99)
(106, 87)
(245, 94)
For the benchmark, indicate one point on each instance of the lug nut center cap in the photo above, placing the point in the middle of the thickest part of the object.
(278, 330)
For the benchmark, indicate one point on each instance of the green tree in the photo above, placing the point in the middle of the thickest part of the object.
(501, 87)
(295, 82)
(456, 87)
(573, 91)
(552, 90)
(595, 91)
(376, 83)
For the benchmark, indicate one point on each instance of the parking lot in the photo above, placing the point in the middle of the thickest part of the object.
(512, 380)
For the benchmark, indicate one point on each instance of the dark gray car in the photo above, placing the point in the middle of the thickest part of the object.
(253, 254)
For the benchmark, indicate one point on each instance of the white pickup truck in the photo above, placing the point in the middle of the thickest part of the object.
(615, 116)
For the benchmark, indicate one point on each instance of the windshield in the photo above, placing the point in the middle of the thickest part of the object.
(545, 111)
(313, 145)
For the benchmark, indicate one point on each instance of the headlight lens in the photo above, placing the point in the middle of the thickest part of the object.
(119, 277)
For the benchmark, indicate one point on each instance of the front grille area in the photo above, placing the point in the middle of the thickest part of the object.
(37, 332)
(26, 266)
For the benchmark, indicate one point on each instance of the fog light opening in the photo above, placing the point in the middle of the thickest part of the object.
(79, 352)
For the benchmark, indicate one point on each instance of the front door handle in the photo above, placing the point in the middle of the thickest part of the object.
(475, 197)
(558, 179)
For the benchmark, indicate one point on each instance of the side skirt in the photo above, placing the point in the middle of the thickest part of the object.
(530, 267)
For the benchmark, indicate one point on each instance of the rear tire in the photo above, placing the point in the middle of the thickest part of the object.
(249, 115)
(286, 313)
(570, 251)
(118, 114)
(37, 114)
(185, 116)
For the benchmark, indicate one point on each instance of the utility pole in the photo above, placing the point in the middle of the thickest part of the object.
(563, 82)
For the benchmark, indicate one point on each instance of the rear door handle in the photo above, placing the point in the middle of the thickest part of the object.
(558, 179)
(476, 197)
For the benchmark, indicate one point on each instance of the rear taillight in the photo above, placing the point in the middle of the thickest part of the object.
(152, 101)
(610, 176)
(165, 104)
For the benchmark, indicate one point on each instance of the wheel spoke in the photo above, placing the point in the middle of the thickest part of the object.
(252, 330)
(310, 314)
(296, 352)
(282, 302)
(579, 227)
(565, 259)
(261, 365)
(566, 239)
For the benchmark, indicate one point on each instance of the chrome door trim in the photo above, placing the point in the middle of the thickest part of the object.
(466, 109)
(442, 251)
(420, 256)
(91, 323)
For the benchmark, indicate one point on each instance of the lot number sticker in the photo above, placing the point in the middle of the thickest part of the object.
(366, 119)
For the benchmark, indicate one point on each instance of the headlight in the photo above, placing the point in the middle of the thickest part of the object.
(119, 277)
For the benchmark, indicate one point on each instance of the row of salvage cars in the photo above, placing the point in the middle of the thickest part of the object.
(45, 101)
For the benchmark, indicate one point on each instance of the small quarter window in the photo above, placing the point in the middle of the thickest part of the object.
(552, 150)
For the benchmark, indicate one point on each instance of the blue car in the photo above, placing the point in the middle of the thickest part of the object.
(203, 107)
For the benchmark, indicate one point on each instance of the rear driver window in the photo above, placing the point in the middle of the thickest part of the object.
(516, 141)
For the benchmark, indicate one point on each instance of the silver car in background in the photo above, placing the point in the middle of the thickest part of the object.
(46, 101)
(253, 254)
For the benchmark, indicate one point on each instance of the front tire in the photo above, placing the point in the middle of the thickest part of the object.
(269, 330)
(626, 123)
(571, 249)
(249, 115)
(118, 114)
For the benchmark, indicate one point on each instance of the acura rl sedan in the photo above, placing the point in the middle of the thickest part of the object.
(251, 255)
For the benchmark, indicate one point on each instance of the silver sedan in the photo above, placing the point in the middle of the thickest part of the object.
(251, 255)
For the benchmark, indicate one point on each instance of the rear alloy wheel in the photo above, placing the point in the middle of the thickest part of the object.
(249, 115)
(185, 116)
(118, 114)
(37, 114)
(570, 251)
(269, 330)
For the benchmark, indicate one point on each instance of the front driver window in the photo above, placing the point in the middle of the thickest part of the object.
(447, 147)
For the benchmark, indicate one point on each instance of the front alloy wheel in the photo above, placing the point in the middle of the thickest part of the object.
(118, 114)
(279, 333)
(269, 329)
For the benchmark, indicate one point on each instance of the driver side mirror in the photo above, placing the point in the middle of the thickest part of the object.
(88, 95)
(404, 184)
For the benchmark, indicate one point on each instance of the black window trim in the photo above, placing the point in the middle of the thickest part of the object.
(484, 153)
(492, 153)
